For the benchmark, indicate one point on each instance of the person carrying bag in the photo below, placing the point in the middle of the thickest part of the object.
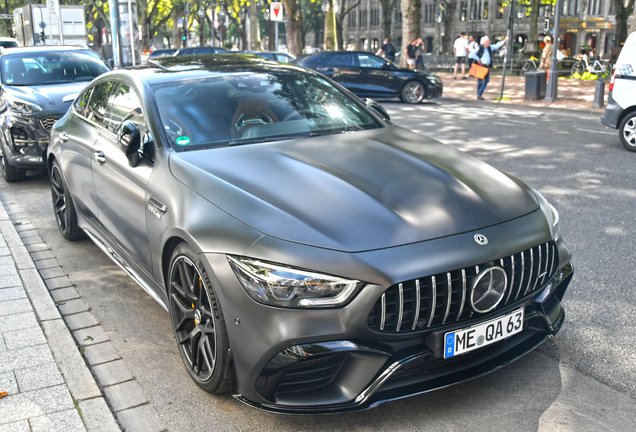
(483, 56)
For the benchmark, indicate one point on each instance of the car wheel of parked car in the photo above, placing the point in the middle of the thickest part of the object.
(413, 92)
(63, 207)
(627, 132)
(197, 321)
(10, 173)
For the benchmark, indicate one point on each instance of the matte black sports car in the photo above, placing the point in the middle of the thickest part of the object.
(313, 257)
(38, 86)
(371, 76)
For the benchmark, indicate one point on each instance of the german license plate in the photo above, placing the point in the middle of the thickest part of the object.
(466, 340)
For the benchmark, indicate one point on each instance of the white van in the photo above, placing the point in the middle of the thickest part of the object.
(620, 112)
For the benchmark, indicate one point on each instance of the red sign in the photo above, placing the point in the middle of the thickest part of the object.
(276, 9)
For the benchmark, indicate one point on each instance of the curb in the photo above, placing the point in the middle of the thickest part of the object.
(88, 398)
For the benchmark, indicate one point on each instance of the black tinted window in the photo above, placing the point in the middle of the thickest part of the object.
(124, 106)
(82, 102)
(343, 60)
(96, 111)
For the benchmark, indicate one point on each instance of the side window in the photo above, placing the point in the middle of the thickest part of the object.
(344, 60)
(369, 61)
(124, 105)
(96, 112)
(82, 102)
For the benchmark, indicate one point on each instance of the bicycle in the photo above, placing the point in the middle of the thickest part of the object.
(530, 65)
(602, 69)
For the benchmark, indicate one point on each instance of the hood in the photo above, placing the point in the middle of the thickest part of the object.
(356, 191)
(48, 97)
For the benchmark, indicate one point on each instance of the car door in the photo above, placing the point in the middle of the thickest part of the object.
(81, 131)
(342, 67)
(378, 77)
(120, 188)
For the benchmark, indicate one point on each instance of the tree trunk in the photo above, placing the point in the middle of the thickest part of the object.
(622, 15)
(201, 22)
(293, 27)
(145, 25)
(340, 35)
(271, 31)
(449, 15)
(176, 33)
(533, 36)
(255, 32)
(632, 27)
(411, 17)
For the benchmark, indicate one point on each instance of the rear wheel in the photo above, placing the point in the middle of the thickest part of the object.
(10, 173)
(577, 70)
(197, 321)
(413, 92)
(63, 207)
(627, 132)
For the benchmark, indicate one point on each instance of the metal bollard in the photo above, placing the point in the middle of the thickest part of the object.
(599, 95)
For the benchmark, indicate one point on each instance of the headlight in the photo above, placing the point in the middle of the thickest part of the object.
(276, 285)
(23, 107)
(555, 223)
(551, 214)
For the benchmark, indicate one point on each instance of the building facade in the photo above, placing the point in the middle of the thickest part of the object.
(585, 24)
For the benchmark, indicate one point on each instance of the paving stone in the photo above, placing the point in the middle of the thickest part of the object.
(19, 426)
(24, 357)
(125, 395)
(112, 373)
(12, 307)
(35, 403)
(90, 336)
(12, 293)
(22, 257)
(37, 247)
(100, 353)
(7, 270)
(28, 233)
(35, 256)
(72, 307)
(4, 251)
(24, 338)
(52, 272)
(40, 298)
(64, 294)
(10, 281)
(77, 375)
(3, 347)
(19, 321)
(11, 237)
(58, 282)
(37, 377)
(97, 416)
(46, 263)
(8, 383)
(80, 320)
(140, 419)
(32, 240)
(24, 227)
(64, 421)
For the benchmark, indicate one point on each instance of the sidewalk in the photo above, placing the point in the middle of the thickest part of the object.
(48, 386)
(572, 94)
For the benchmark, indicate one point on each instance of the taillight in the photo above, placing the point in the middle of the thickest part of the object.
(612, 80)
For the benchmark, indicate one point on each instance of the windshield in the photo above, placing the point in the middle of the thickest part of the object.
(44, 68)
(254, 107)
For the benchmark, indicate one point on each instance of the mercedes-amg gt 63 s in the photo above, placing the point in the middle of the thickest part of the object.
(313, 256)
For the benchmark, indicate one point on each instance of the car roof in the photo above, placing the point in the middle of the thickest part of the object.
(167, 69)
(44, 48)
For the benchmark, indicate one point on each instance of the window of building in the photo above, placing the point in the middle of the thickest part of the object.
(500, 10)
(463, 14)
(363, 18)
(351, 20)
(473, 9)
(595, 7)
(484, 15)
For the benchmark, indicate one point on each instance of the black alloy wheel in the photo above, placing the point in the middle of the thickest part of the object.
(63, 207)
(197, 322)
(9, 172)
(413, 92)
(627, 132)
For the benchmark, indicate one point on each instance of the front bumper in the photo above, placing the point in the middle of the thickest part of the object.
(435, 90)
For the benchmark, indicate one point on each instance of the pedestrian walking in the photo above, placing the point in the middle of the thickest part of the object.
(483, 56)
(419, 55)
(546, 55)
(387, 50)
(460, 49)
(409, 51)
(472, 45)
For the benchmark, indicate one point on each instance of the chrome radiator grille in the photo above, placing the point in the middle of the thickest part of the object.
(48, 122)
(443, 298)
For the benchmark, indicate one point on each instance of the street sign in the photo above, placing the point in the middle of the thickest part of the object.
(216, 24)
(6, 16)
(546, 24)
(276, 11)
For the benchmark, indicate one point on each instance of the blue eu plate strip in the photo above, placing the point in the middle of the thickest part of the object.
(449, 351)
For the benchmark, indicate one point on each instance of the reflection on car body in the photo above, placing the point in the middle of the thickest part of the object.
(313, 257)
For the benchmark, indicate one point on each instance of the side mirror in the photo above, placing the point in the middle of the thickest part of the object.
(378, 108)
(386, 66)
(130, 142)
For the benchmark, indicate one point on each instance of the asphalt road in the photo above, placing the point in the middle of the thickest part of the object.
(583, 379)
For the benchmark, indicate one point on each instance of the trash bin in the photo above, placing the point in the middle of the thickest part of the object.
(535, 85)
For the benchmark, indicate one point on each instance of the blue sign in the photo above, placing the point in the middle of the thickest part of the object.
(449, 350)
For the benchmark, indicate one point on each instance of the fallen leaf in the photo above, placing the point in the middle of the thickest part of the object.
(3, 394)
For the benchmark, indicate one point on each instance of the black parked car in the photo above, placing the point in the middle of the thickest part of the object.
(313, 257)
(38, 86)
(371, 76)
(200, 50)
(158, 53)
(273, 55)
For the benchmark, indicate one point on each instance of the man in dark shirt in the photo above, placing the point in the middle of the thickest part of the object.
(387, 50)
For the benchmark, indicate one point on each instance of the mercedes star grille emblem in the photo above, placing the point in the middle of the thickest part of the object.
(481, 239)
(488, 289)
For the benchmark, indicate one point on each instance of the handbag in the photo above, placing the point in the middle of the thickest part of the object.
(477, 71)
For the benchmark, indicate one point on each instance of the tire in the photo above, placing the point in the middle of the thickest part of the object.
(197, 322)
(413, 92)
(10, 173)
(578, 70)
(627, 132)
(527, 66)
(65, 214)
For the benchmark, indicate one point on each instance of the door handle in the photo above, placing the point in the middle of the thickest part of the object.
(99, 157)
(63, 137)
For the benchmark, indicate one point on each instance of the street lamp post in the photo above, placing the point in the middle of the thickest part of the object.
(330, 8)
(551, 93)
